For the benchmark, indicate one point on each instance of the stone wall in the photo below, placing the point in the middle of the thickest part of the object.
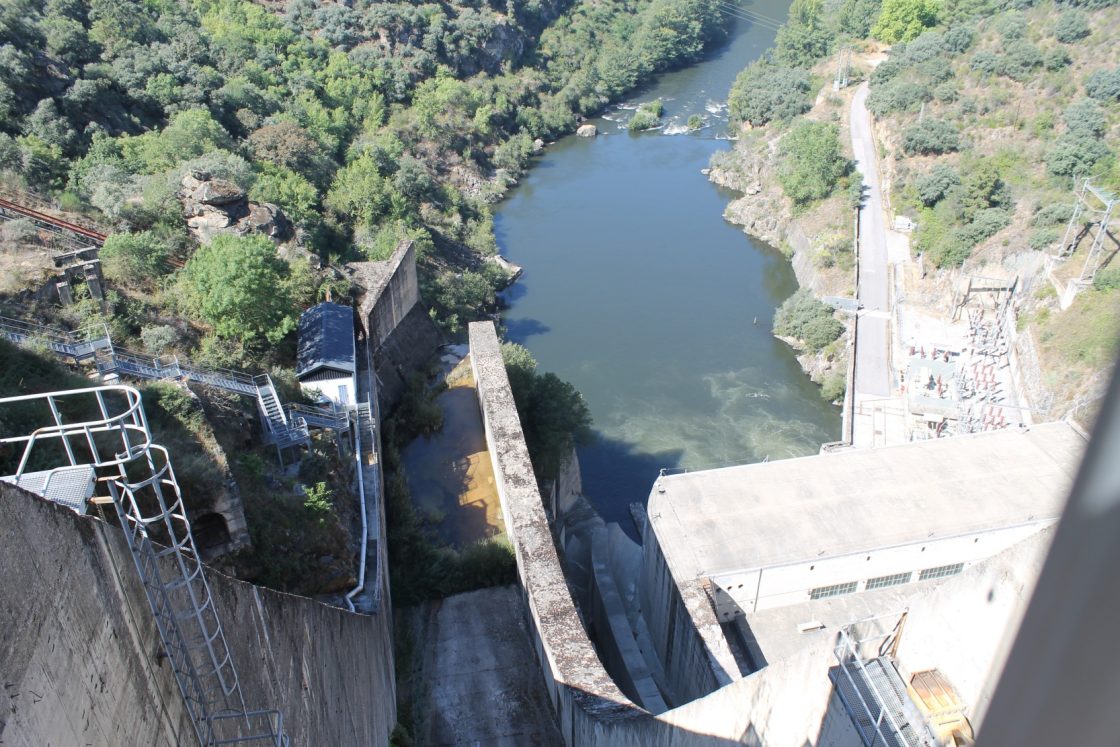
(785, 704)
(82, 663)
(397, 291)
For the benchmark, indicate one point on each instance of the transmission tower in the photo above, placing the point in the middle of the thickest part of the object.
(843, 69)
(1098, 205)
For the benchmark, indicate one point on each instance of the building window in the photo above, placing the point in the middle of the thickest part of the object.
(883, 582)
(941, 571)
(824, 592)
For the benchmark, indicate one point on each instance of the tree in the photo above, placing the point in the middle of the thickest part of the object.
(934, 186)
(804, 318)
(810, 161)
(237, 285)
(1104, 85)
(805, 37)
(1072, 25)
(764, 92)
(903, 20)
(133, 258)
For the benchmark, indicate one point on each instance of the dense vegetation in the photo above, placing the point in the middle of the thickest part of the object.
(366, 123)
(957, 73)
(808, 320)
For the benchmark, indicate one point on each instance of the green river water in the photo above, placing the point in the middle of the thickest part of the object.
(638, 292)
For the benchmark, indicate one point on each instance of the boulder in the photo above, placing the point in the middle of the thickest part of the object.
(587, 130)
(212, 205)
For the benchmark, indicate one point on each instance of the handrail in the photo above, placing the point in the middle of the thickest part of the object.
(362, 501)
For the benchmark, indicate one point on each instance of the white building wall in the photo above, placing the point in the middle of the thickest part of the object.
(342, 391)
(744, 592)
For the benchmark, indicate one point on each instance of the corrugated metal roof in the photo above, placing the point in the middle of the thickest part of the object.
(326, 339)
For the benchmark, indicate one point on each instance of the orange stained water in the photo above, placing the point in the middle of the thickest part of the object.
(449, 473)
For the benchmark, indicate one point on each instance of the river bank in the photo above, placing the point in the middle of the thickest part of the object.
(657, 310)
(817, 240)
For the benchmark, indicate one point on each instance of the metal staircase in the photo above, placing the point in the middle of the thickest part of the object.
(81, 345)
(284, 427)
(112, 436)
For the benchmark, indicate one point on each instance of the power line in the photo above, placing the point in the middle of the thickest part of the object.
(736, 12)
(762, 16)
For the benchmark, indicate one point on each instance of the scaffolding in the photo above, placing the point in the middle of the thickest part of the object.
(105, 428)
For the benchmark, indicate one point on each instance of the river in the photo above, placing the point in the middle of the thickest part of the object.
(638, 292)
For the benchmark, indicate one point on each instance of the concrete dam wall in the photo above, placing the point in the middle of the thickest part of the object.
(83, 662)
(590, 708)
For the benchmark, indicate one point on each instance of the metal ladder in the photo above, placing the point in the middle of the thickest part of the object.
(141, 485)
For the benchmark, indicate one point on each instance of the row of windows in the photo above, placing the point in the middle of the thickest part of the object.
(882, 582)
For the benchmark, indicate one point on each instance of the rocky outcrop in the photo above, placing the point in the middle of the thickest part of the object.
(763, 210)
(587, 130)
(213, 206)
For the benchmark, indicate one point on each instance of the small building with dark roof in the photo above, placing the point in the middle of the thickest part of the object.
(326, 359)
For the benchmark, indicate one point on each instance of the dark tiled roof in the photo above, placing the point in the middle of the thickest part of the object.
(326, 339)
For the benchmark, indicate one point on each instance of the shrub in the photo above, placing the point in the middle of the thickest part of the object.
(810, 161)
(984, 224)
(926, 47)
(1051, 214)
(642, 120)
(896, 96)
(1071, 26)
(833, 387)
(804, 318)
(1020, 60)
(1084, 118)
(936, 184)
(1044, 237)
(930, 137)
(946, 92)
(1107, 279)
(133, 258)
(987, 63)
(1056, 59)
(1012, 26)
(764, 92)
(958, 39)
(1072, 155)
(158, 337)
(1104, 85)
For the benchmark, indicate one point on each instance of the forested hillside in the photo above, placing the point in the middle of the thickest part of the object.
(988, 113)
(364, 122)
(239, 153)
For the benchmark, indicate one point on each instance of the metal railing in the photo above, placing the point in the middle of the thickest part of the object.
(882, 726)
(106, 428)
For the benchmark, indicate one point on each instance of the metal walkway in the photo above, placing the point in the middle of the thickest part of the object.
(284, 426)
(875, 697)
(111, 436)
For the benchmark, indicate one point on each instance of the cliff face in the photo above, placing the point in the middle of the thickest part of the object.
(763, 210)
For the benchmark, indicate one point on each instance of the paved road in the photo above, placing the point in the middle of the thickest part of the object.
(872, 367)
